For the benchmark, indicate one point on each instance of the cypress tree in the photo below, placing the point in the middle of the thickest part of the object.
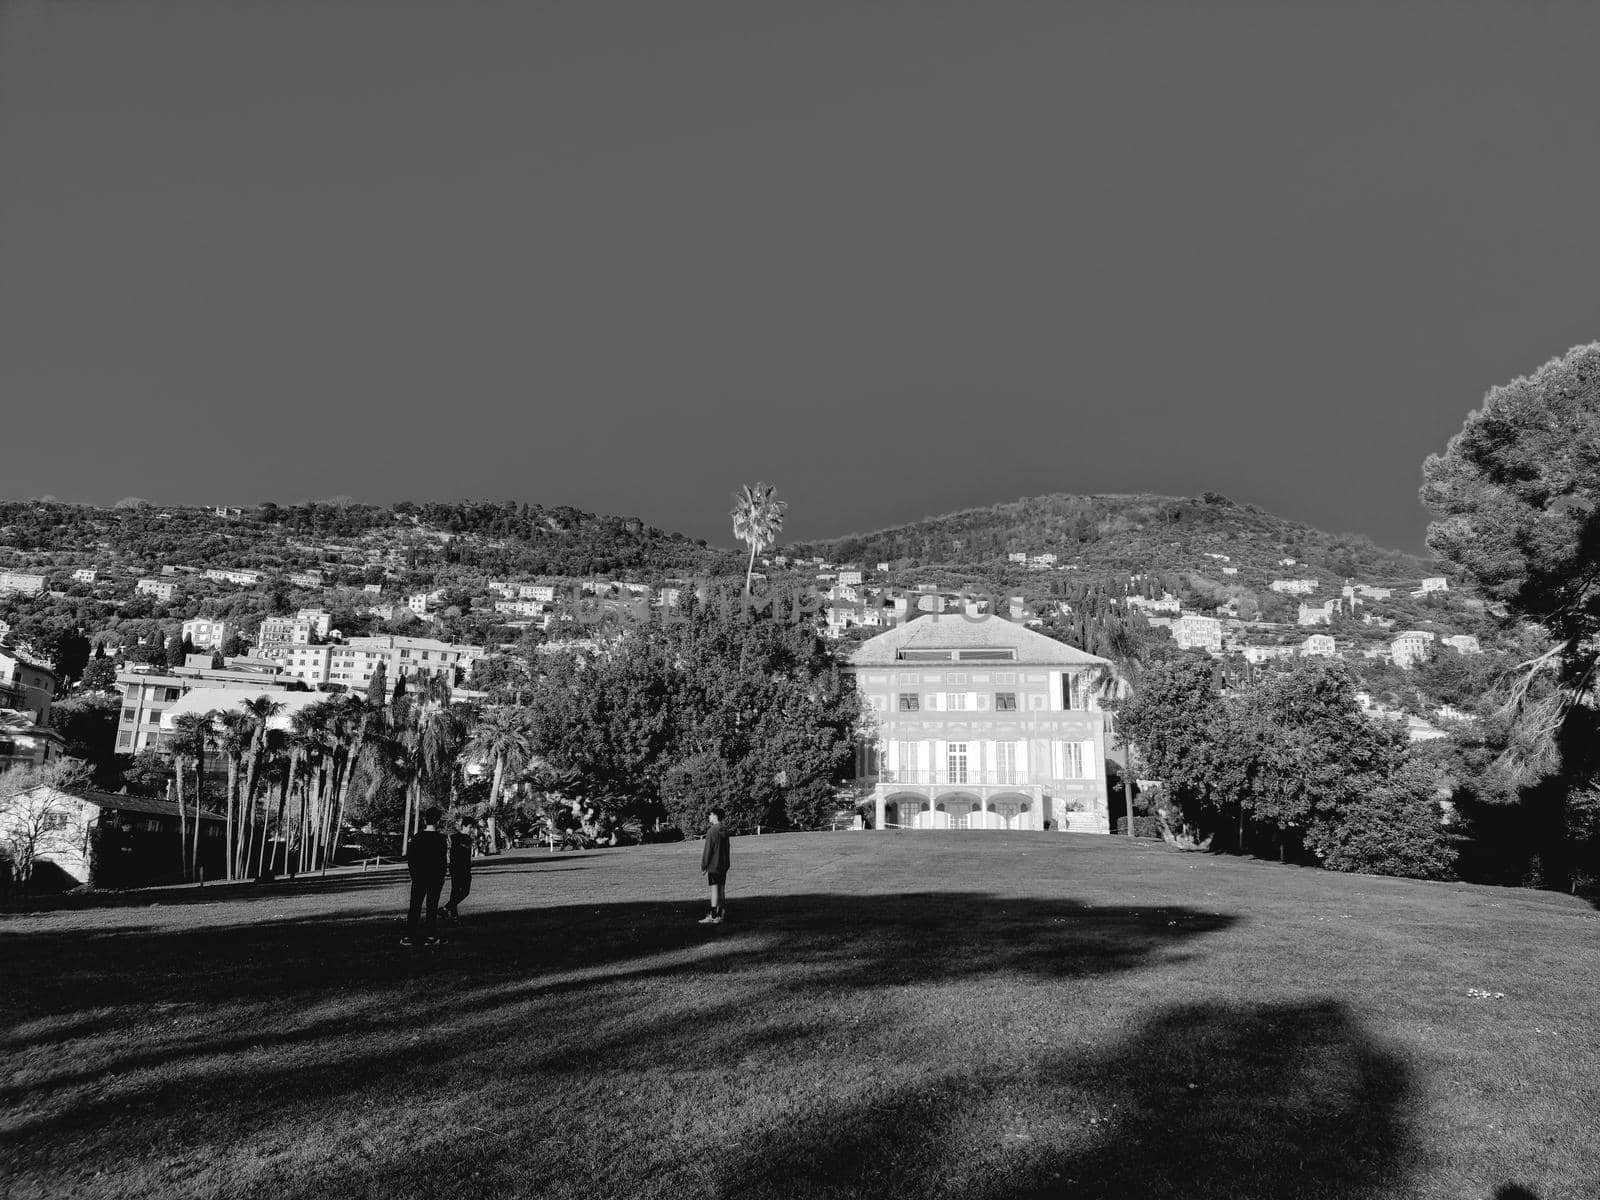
(378, 687)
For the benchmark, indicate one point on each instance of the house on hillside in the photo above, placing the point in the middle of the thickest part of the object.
(87, 836)
(205, 633)
(156, 588)
(1317, 614)
(1319, 645)
(24, 582)
(27, 684)
(1410, 648)
(26, 743)
(981, 724)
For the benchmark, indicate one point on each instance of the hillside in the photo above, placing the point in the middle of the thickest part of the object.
(1123, 534)
(348, 543)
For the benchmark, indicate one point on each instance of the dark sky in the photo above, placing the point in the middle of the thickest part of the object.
(894, 258)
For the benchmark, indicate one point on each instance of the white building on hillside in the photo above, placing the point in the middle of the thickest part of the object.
(1167, 604)
(1294, 587)
(205, 633)
(24, 582)
(240, 577)
(1317, 614)
(1319, 645)
(1193, 632)
(980, 723)
(1410, 648)
(320, 620)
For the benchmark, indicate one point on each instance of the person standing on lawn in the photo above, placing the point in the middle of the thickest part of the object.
(714, 862)
(460, 870)
(425, 859)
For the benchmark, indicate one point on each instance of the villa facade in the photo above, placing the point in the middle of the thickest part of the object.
(981, 723)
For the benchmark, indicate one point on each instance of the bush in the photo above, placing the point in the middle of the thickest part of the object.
(1396, 830)
(692, 787)
(1145, 827)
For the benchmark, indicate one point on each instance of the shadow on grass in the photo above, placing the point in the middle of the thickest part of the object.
(284, 887)
(1196, 1100)
(289, 1025)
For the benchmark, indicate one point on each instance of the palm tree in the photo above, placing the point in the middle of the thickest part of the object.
(1121, 644)
(299, 744)
(274, 773)
(757, 519)
(231, 736)
(352, 718)
(501, 736)
(258, 713)
(187, 745)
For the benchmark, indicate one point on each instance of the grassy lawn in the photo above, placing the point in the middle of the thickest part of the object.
(914, 1015)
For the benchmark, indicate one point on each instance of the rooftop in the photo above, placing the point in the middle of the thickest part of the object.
(985, 637)
(119, 803)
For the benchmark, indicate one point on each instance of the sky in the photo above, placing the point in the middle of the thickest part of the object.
(894, 258)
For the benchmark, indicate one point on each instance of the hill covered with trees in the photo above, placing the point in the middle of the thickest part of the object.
(1122, 534)
(350, 542)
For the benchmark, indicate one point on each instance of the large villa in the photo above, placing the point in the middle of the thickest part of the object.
(982, 724)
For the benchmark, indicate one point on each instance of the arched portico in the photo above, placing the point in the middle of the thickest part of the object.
(1013, 810)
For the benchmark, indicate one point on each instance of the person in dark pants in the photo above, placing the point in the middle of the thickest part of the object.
(426, 861)
(460, 870)
(714, 862)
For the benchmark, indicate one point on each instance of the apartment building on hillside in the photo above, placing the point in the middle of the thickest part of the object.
(159, 588)
(146, 696)
(206, 633)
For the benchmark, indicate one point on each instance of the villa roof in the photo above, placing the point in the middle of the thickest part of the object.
(952, 631)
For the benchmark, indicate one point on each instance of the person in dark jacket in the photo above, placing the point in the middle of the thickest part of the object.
(714, 862)
(460, 870)
(426, 861)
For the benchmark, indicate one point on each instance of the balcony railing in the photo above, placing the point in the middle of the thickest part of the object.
(970, 777)
(1017, 778)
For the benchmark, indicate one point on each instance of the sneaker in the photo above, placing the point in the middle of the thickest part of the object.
(430, 941)
(408, 941)
(710, 919)
(717, 920)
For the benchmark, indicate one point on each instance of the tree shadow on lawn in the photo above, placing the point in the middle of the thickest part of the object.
(1212, 1100)
(283, 887)
(1198, 1100)
(235, 989)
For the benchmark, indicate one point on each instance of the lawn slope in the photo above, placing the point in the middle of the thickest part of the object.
(883, 1015)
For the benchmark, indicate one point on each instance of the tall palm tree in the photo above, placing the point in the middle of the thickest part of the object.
(352, 723)
(230, 735)
(258, 713)
(298, 745)
(757, 519)
(187, 746)
(1118, 642)
(501, 736)
(274, 773)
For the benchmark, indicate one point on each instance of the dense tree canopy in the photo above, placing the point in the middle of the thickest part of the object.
(1287, 765)
(1518, 497)
(728, 706)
